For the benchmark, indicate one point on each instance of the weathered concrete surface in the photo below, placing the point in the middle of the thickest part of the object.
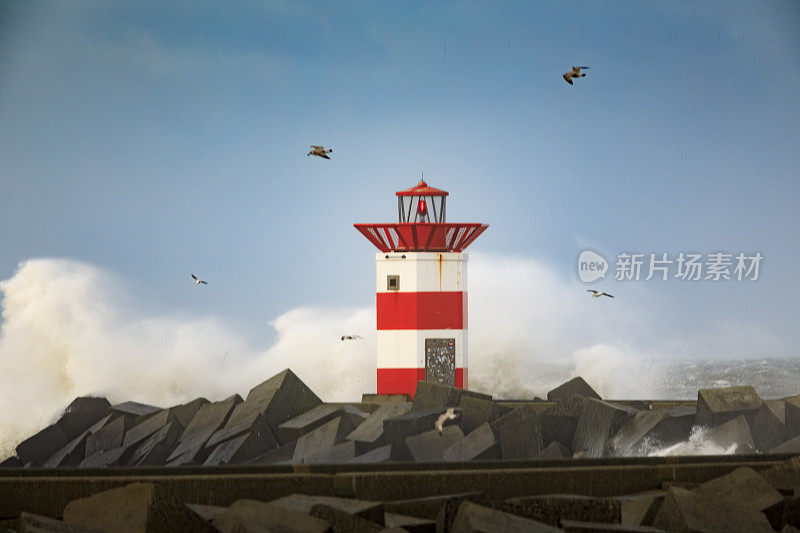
(560, 421)
(40, 447)
(255, 424)
(580, 526)
(279, 399)
(238, 450)
(743, 488)
(33, 523)
(472, 517)
(109, 436)
(790, 446)
(784, 476)
(310, 420)
(481, 444)
(767, 428)
(208, 420)
(75, 451)
(575, 386)
(251, 515)
(428, 507)
(370, 433)
(303, 503)
(554, 450)
(792, 416)
(717, 406)
(429, 447)
(81, 414)
(378, 455)
(432, 395)
(397, 428)
(684, 510)
(282, 455)
(476, 411)
(135, 507)
(154, 450)
(342, 521)
(326, 436)
(640, 509)
(736, 433)
(138, 410)
(552, 508)
(147, 427)
(411, 524)
(112, 457)
(343, 452)
(185, 412)
(598, 422)
(520, 436)
(649, 429)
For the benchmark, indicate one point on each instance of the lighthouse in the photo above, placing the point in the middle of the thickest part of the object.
(421, 290)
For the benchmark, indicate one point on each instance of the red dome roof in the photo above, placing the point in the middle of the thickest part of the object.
(422, 189)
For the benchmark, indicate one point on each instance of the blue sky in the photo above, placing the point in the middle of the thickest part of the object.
(158, 139)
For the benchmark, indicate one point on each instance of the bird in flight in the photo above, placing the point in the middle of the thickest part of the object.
(450, 414)
(351, 337)
(320, 151)
(198, 281)
(598, 294)
(574, 73)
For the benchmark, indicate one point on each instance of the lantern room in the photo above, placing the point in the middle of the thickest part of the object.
(421, 292)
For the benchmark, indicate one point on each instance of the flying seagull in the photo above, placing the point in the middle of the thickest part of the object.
(320, 151)
(198, 281)
(351, 337)
(574, 73)
(598, 294)
(450, 414)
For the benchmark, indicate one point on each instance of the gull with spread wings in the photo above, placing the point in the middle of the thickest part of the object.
(320, 151)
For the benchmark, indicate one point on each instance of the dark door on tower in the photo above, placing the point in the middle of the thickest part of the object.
(440, 361)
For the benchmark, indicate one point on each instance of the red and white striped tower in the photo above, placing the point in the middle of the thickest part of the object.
(421, 292)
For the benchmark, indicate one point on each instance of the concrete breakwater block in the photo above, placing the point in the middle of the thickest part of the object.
(382, 454)
(282, 455)
(790, 446)
(207, 421)
(326, 436)
(430, 394)
(81, 414)
(411, 524)
(255, 424)
(552, 508)
(640, 509)
(75, 451)
(429, 447)
(476, 411)
(343, 452)
(251, 515)
(279, 399)
(685, 510)
(36, 450)
(717, 406)
(480, 444)
(736, 432)
(34, 523)
(300, 425)
(139, 411)
(560, 421)
(648, 429)
(767, 427)
(472, 517)
(784, 476)
(575, 386)
(399, 428)
(599, 421)
(134, 507)
(369, 434)
(554, 450)
(429, 506)
(744, 488)
(792, 416)
(109, 436)
(342, 521)
(112, 457)
(303, 503)
(238, 450)
(154, 450)
(519, 434)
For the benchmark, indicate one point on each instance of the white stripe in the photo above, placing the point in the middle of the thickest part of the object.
(405, 348)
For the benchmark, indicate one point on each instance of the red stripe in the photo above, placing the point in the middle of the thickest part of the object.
(404, 380)
(422, 310)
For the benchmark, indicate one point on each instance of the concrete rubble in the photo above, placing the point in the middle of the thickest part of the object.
(282, 421)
